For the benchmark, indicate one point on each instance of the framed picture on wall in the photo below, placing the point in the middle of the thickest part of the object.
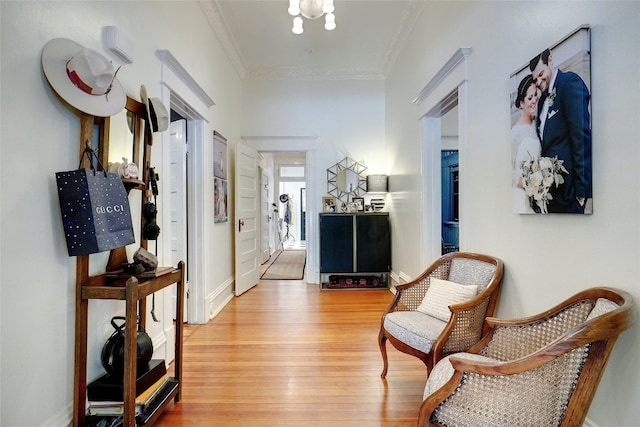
(551, 129)
(220, 200)
(219, 156)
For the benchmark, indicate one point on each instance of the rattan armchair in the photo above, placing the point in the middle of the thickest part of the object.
(537, 371)
(427, 338)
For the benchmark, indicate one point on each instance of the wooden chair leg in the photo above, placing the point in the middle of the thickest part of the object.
(382, 341)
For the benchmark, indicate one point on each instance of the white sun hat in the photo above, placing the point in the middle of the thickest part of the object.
(83, 77)
(157, 114)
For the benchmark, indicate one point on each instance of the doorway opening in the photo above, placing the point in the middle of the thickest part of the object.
(179, 196)
(284, 217)
(444, 104)
(450, 176)
(290, 180)
(450, 201)
(185, 190)
(304, 146)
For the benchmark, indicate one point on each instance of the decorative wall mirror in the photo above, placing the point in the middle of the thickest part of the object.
(123, 136)
(346, 179)
(126, 131)
(122, 131)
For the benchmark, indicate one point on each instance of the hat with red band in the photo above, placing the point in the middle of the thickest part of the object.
(83, 77)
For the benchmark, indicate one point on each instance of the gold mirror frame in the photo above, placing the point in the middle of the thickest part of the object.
(340, 170)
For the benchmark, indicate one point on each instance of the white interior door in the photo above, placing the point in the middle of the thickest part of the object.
(247, 217)
(178, 187)
(265, 214)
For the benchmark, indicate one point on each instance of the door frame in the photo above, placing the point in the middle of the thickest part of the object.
(306, 144)
(196, 302)
(183, 94)
(448, 88)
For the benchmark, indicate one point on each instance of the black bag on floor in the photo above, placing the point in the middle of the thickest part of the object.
(95, 209)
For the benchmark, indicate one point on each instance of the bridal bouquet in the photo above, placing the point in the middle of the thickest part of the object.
(538, 175)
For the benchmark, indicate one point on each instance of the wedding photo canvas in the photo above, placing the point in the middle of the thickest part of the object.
(550, 101)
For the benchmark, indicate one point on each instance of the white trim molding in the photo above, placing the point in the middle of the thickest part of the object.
(460, 55)
(589, 423)
(167, 58)
(218, 299)
(447, 88)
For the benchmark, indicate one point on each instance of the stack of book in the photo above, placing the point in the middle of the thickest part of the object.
(105, 395)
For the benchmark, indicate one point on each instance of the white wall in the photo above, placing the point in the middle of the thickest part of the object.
(347, 117)
(40, 136)
(547, 258)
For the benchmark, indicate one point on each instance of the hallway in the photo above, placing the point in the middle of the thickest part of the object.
(291, 355)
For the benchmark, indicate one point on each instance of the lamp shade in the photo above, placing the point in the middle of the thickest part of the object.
(377, 183)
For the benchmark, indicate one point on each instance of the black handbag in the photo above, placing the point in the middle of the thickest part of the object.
(95, 209)
(112, 355)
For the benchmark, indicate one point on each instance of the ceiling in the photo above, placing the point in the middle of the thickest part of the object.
(257, 37)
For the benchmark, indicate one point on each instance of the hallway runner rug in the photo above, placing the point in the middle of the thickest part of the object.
(288, 265)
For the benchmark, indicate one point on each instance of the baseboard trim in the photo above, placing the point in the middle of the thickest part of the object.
(217, 300)
(64, 417)
(589, 423)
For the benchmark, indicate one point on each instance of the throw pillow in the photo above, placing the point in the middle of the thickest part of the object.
(602, 306)
(443, 293)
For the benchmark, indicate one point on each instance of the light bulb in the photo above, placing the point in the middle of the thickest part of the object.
(294, 7)
(328, 7)
(330, 22)
(297, 25)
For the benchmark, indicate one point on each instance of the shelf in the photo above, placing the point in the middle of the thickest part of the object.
(120, 286)
(151, 412)
(113, 286)
(354, 281)
(133, 184)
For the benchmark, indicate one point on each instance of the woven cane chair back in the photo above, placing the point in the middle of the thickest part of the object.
(542, 370)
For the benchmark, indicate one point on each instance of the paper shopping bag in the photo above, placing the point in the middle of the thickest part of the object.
(95, 210)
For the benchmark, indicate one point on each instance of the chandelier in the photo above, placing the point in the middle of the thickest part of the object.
(311, 9)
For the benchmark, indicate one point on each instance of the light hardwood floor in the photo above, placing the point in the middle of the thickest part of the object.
(286, 354)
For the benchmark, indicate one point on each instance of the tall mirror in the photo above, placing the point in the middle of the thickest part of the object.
(346, 180)
(124, 136)
(122, 128)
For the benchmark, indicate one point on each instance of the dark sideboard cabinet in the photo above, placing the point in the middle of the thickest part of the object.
(355, 250)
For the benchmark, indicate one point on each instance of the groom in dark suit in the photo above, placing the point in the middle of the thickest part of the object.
(564, 127)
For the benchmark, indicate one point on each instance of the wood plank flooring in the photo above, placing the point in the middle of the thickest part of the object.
(286, 354)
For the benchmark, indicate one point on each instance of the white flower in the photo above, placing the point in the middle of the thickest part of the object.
(545, 163)
(552, 97)
(538, 175)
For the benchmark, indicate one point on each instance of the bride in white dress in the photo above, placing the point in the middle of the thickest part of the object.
(524, 141)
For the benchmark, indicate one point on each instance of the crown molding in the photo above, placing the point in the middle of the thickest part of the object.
(409, 19)
(219, 26)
